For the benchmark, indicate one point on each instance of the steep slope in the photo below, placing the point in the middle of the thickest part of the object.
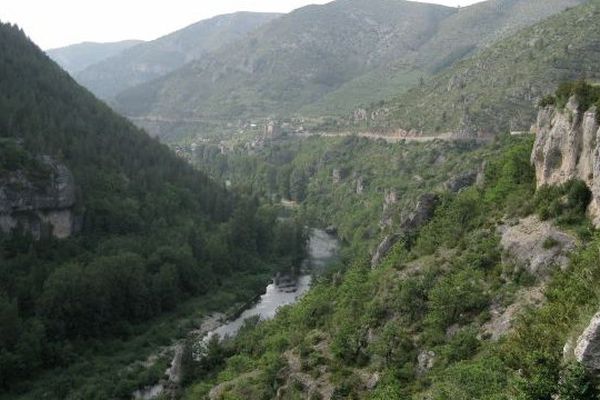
(290, 62)
(152, 233)
(487, 300)
(566, 145)
(77, 57)
(153, 59)
(459, 36)
(498, 89)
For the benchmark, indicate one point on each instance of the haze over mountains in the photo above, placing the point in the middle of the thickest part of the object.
(77, 57)
(315, 61)
(498, 89)
(153, 59)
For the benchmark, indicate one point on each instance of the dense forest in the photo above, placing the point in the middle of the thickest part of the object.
(154, 231)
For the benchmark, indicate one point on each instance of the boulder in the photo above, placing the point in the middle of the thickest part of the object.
(587, 349)
(425, 361)
(536, 245)
(422, 213)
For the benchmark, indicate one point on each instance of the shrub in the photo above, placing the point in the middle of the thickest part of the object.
(575, 384)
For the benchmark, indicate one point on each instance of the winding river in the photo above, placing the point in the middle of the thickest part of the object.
(322, 252)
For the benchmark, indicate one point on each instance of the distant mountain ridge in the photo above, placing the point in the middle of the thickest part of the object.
(326, 59)
(459, 36)
(499, 89)
(77, 57)
(155, 58)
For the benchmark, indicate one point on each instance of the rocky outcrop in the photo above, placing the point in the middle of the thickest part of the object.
(460, 182)
(384, 247)
(567, 147)
(422, 213)
(390, 198)
(535, 245)
(587, 350)
(425, 361)
(38, 205)
(502, 317)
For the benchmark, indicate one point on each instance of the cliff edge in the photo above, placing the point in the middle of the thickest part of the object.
(567, 147)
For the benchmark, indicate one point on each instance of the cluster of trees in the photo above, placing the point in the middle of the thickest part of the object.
(155, 231)
(587, 95)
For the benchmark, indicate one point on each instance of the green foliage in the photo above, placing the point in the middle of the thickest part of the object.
(155, 232)
(567, 203)
(455, 296)
(586, 95)
(575, 384)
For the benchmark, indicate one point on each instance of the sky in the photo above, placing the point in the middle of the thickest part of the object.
(57, 23)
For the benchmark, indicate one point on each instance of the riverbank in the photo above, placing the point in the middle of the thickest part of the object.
(116, 367)
(322, 250)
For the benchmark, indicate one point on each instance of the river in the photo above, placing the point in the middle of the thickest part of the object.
(282, 291)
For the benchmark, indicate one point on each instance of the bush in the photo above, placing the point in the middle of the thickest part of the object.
(575, 384)
(567, 203)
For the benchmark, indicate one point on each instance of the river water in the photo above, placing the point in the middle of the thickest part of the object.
(322, 251)
(284, 290)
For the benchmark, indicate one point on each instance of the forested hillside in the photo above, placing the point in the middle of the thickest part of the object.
(154, 232)
(343, 181)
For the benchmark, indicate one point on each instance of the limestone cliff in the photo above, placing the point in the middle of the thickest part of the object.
(40, 203)
(566, 147)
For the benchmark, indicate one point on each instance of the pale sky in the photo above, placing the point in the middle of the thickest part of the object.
(57, 23)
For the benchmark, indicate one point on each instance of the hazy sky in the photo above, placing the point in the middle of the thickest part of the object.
(56, 23)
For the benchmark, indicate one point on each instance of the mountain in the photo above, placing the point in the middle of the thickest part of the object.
(103, 229)
(327, 59)
(153, 59)
(290, 62)
(77, 57)
(499, 88)
(458, 37)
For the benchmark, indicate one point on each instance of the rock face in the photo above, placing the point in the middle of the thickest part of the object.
(422, 213)
(41, 207)
(587, 350)
(567, 147)
(461, 182)
(390, 198)
(536, 245)
(384, 247)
